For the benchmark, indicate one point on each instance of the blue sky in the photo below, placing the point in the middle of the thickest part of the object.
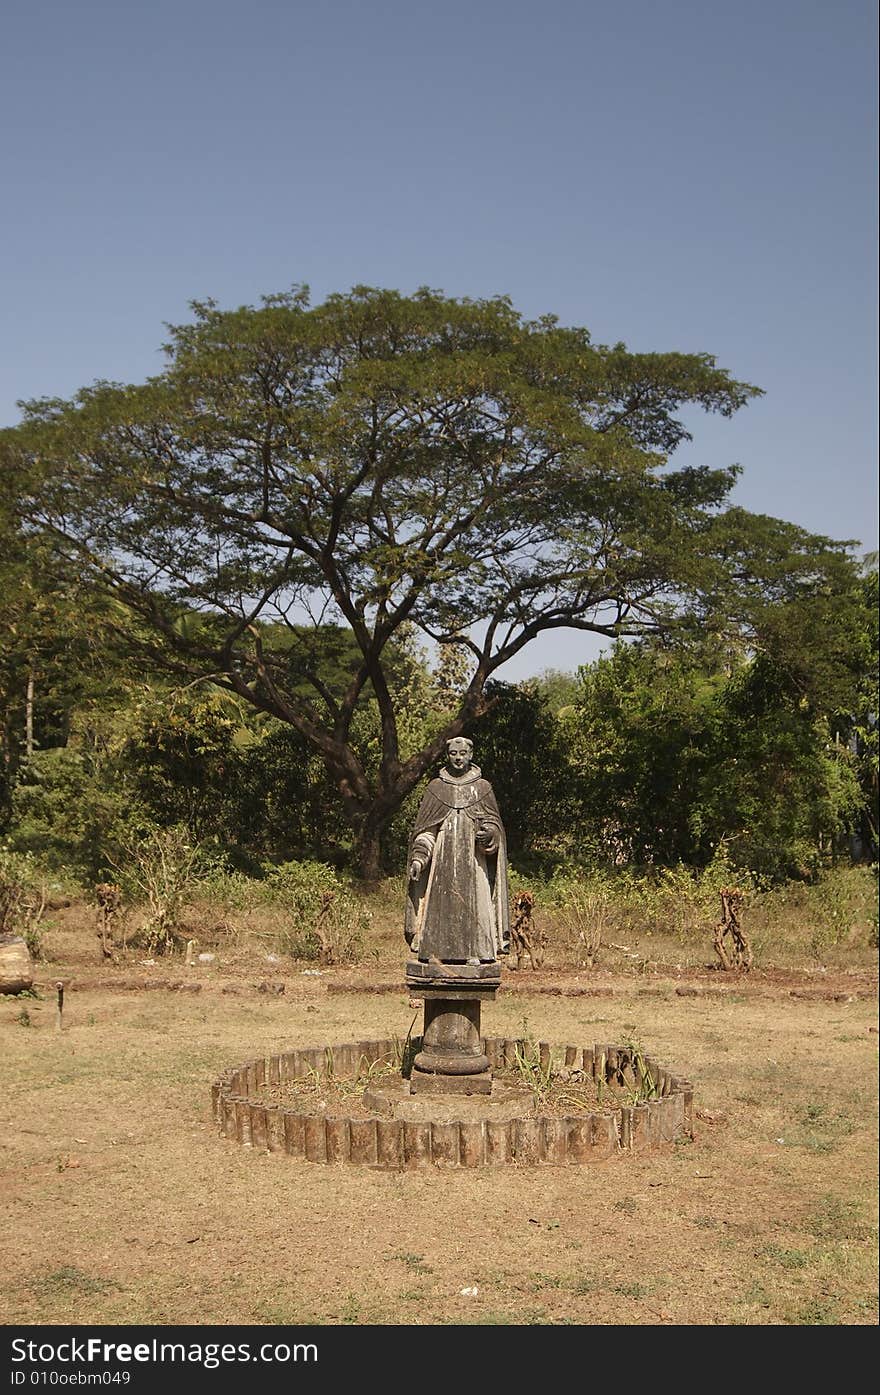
(684, 175)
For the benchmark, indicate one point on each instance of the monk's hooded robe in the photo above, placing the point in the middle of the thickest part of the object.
(457, 909)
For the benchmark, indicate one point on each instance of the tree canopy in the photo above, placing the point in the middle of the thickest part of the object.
(674, 761)
(381, 461)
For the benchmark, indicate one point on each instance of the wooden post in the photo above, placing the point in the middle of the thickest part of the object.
(499, 1143)
(59, 1013)
(579, 1142)
(472, 1142)
(363, 1141)
(389, 1143)
(528, 1138)
(417, 1143)
(555, 1137)
(259, 1127)
(626, 1134)
(338, 1140)
(445, 1144)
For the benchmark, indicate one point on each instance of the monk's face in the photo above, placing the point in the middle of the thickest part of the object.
(458, 757)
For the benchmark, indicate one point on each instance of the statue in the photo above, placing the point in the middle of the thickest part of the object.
(457, 902)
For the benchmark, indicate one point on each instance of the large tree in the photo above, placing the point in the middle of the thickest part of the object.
(381, 460)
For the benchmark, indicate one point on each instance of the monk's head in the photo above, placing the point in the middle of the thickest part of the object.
(458, 754)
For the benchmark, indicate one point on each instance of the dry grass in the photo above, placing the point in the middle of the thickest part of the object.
(830, 926)
(123, 1205)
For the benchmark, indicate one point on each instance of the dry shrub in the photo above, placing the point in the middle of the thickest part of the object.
(164, 867)
(24, 895)
(588, 917)
(325, 922)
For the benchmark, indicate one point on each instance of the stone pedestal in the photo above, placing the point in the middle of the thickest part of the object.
(452, 1060)
(390, 1097)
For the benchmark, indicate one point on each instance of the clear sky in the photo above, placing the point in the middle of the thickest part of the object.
(689, 175)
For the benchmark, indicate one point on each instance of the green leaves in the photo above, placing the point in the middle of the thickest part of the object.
(683, 750)
(380, 460)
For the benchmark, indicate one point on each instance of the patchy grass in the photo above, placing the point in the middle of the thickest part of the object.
(147, 1216)
(70, 1281)
(834, 1217)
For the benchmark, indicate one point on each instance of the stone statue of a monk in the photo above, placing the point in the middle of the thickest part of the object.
(457, 906)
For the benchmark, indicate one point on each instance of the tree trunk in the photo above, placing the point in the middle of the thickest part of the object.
(369, 855)
(29, 716)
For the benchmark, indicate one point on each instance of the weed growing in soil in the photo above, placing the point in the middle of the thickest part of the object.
(414, 1262)
(534, 1074)
(834, 1218)
(68, 1280)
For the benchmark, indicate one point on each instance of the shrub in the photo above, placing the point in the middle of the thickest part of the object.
(828, 917)
(326, 922)
(23, 897)
(69, 813)
(588, 917)
(164, 867)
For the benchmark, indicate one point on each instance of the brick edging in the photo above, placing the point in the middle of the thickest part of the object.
(396, 1144)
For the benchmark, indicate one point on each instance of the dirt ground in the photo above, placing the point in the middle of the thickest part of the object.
(122, 1204)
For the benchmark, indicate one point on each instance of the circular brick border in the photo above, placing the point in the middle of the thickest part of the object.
(396, 1144)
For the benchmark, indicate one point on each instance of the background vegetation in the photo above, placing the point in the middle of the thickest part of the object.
(632, 790)
(245, 603)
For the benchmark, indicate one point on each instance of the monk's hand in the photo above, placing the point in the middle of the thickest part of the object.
(416, 868)
(485, 841)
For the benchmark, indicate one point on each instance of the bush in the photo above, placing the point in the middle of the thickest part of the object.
(164, 867)
(590, 907)
(69, 813)
(23, 897)
(687, 903)
(828, 917)
(326, 922)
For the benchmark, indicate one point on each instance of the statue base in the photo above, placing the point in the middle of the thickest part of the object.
(428, 1080)
(390, 1098)
(479, 979)
(452, 1060)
